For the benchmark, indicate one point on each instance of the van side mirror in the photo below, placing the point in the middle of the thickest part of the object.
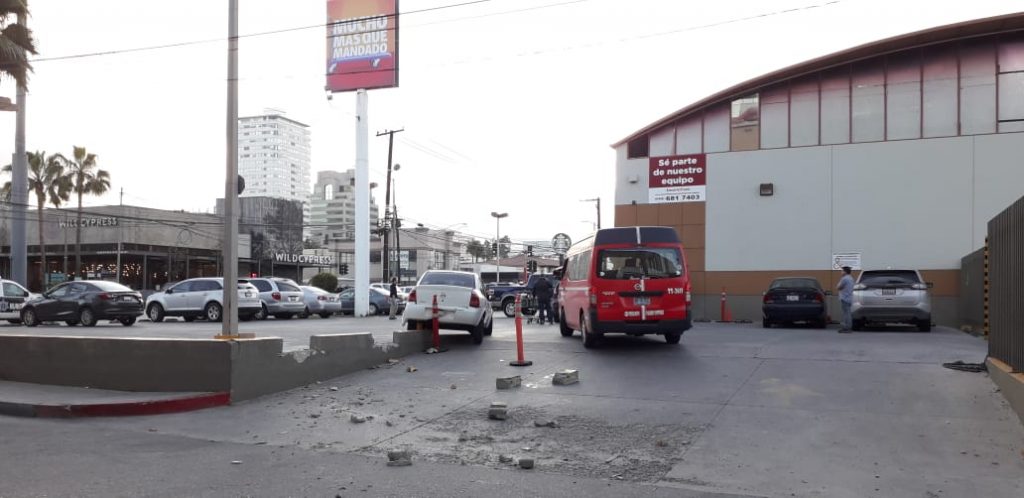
(557, 272)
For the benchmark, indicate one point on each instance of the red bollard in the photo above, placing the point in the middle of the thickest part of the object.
(437, 329)
(521, 361)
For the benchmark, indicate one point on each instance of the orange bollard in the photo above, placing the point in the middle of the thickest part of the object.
(726, 315)
(437, 328)
(521, 361)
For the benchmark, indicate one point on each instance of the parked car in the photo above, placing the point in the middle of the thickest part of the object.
(794, 299)
(891, 296)
(201, 298)
(85, 302)
(280, 297)
(319, 302)
(380, 302)
(503, 297)
(461, 303)
(12, 297)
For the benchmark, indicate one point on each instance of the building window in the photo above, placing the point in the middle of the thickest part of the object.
(638, 147)
(744, 121)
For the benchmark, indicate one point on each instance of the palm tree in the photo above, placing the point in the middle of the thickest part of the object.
(85, 179)
(46, 178)
(15, 42)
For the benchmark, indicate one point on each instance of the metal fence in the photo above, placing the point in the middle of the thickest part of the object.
(1006, 286)
(972, 292)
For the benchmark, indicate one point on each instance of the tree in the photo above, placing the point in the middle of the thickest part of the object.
(46, 179)
(325, 281)
(476, 249)
(505, 246)
(86, 179)
(16, 42)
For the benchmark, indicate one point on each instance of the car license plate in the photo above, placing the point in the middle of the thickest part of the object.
(641, 301)
(129, 299)
(792, 297)
(248, 294)
(888, 292)
(15, 306)
(293, 299)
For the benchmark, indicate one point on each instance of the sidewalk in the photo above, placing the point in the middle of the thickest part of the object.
(38, 400)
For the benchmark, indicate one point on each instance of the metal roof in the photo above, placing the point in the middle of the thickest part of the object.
(941, 34)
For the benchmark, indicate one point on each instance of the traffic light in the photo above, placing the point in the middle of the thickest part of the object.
(529, 250)
(344, 268)
(494, 248)
(532, 265)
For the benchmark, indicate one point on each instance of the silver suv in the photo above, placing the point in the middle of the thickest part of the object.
(891, 296)
(201, 298)
(281, 297)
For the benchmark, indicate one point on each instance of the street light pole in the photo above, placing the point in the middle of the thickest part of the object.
(598, 201)
(497, 244)
(229, 249)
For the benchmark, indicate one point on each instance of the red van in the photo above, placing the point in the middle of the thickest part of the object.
(630, 280)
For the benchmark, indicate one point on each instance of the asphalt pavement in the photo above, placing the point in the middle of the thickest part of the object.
(734, 410)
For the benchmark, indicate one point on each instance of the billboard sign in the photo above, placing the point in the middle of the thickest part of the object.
(677, 179)
(362, 44)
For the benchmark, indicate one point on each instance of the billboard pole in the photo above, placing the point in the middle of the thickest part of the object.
(362, 262)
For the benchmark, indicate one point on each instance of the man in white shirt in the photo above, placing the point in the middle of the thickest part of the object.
(845, 289)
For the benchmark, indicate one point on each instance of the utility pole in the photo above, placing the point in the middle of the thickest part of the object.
(398, 238)
(598, 201)
(120, 236)
(229, 238)
(386, 259)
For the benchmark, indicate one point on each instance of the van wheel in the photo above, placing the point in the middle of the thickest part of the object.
(563, 327)
(673, 337)
(589, 338)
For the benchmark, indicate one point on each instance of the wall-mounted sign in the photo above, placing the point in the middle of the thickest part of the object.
(88, 222)
(304, 259)
(678, 179)
(841, 259)
(362, 44)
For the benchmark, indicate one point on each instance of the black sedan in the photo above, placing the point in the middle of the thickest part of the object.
(795, 299)
(84, 302)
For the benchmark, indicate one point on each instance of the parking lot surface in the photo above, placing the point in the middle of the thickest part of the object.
(734, 409)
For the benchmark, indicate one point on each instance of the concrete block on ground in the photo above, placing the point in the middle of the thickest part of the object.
(566, 377)
(498, 411)
(399, 458)
(526, 463)
(509, 382)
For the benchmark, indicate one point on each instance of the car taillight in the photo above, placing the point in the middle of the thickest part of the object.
(920, 286)
(819, 298)
(593, 296)
(276, 296)
(474, 300)
(768, 299)
(412, 296)
(321, 298)
(104, 296)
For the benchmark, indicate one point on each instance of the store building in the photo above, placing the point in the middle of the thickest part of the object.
(420, 249)
(155, 246)
(332, 206)
(891, 154)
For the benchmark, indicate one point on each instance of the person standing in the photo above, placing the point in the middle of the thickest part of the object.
(393, 298)
(845, 289)
(542, 291)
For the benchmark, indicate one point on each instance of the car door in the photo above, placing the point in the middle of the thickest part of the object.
(48, 307)
(347, 298)
(176, 298)
(200, 293)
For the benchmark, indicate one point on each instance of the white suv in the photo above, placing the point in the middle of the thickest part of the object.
(201, 298)
(891, 296)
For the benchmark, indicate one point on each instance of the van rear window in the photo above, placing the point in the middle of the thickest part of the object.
(648, 262)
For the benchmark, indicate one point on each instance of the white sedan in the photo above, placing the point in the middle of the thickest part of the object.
(461, 303)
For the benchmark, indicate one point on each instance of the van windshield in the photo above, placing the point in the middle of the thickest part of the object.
(647, 262)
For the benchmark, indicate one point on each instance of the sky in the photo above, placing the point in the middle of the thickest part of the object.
(507, 106)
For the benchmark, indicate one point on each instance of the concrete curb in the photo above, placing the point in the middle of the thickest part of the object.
(1010, 384)
(128, 408)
